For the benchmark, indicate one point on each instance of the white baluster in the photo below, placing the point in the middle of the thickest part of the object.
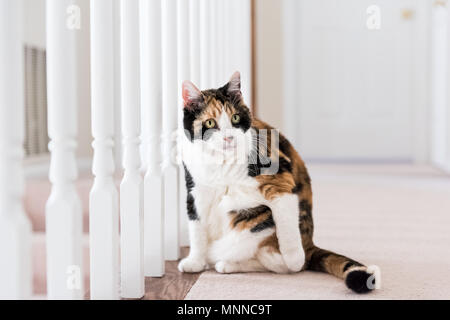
(213, 54)
(183, 74)
(63, 210)
(194, 40)
(151, 106)
(170, 124)
(233, 51)
(103, 206)
(205, 43)
(131, 188)
(221, 49)
(15, 228)
(228, 39)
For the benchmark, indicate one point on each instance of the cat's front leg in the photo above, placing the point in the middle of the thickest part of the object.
(196, 260)
(198, 206)
(285, 212)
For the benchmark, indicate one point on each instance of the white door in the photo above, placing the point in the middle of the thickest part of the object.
(359, 88)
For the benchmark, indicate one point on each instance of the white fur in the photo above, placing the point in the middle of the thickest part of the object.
(376, 272)
(222, 184)
(285, 214)
(251, 265)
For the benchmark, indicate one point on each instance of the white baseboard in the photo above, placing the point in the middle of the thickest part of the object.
(39, 166)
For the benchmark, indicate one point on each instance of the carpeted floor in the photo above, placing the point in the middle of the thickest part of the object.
(394, 216)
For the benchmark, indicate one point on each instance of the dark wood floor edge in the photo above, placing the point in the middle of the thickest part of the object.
(193, 284)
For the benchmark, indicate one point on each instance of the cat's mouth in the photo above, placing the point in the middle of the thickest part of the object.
(229, 145)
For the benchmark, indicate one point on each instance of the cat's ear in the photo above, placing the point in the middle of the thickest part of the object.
(234, 85)
(191, 94)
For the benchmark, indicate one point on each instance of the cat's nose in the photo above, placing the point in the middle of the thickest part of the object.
(228, 139)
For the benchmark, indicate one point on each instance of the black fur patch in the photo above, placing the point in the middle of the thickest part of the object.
(357, 281)
(188, 121)
(348, 265)
(268, 223)
(305, 206)
(298, 188)
(190, 201)
(284, 145)
(317, 259)
(257, 161)
(254, 170)
(190, 184)
(207, 133)
(249, 214)
(191, 209)
(284, 166)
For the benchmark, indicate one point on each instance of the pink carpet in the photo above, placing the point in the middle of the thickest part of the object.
(37, 191)
(394, 216)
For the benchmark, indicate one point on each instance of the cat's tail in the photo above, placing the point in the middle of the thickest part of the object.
(357, 276)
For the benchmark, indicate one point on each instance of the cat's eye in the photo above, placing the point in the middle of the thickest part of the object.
(235, 118)
(211, 123)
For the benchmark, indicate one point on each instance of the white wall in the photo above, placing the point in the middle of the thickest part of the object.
(270, 56)
(269, 69)
(84, 83)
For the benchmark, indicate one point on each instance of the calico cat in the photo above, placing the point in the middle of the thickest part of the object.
(242, 217)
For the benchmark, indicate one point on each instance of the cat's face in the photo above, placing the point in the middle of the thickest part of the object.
(217, 118)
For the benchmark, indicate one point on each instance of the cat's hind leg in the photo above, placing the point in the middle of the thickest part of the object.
(251, 265)
(269, 255)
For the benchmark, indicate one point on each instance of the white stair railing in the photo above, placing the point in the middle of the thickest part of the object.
(15, 228)
(170, 125)
(194, 41)
(104, 199)
(213, 45)
(131, 188)
(151, 106)
(63, 209)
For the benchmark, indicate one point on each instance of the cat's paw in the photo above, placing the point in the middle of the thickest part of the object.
(223, 267)
(192, 265)
(294, 260)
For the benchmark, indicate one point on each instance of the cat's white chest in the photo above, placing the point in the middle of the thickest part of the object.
(215, 202)
(220, 187)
